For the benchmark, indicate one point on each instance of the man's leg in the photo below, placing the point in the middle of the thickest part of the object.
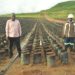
(17, 43)
(72, 44)
(66, 41)
(10, 47)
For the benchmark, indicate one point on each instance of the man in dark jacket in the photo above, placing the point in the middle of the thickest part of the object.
(69, 33)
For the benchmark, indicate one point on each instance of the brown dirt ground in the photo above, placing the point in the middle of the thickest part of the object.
(54, 20)
(4, 62)
(18, 69)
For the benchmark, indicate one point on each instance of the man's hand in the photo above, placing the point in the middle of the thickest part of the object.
(6, 38)
(64, 36)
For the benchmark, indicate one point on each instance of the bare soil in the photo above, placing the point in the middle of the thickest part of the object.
(54, 20)
(41, 69)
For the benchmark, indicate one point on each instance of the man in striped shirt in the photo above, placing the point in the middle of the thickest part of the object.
(13, 34)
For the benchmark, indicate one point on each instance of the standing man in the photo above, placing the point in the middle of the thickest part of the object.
(13, 34)
(69, 33)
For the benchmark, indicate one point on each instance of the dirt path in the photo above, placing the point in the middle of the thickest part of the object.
(18, 69)
(54, 20)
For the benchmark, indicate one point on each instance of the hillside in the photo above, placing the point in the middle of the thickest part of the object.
(61, 10)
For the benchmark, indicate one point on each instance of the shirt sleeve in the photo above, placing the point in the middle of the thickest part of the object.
(20, 30)
(7, 29)
(74, 24)
(65, 28)
(74, 27)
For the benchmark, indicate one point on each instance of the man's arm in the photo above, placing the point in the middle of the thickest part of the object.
(20, 30)
(64, 30)
(7, 29)
(74, 27)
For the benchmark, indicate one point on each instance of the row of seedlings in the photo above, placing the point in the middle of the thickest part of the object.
(36, 50)
(49, 53)
(25, 59)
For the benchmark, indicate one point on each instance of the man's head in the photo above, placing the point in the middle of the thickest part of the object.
(13, 17)
(70, 17)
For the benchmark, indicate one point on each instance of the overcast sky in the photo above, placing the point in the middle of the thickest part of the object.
(26, 6)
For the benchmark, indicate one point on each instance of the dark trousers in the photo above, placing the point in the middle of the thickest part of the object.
(14, 41)
(69, 40)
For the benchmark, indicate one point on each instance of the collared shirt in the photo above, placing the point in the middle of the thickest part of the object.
(13, 28)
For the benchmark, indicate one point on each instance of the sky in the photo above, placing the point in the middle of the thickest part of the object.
(26, 6)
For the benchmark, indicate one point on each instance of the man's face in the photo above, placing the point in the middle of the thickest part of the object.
(13, 17)
(70, 19)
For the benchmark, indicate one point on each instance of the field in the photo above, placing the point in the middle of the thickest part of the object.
(41, 43)
(39, 38)
(24, 15)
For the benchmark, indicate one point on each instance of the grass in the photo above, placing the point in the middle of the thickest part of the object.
(24, 15)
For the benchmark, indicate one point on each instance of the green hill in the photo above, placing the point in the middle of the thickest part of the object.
(61, 10)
